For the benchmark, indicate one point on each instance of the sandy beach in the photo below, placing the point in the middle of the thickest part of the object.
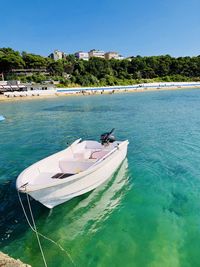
(119, 91)
(24, 98)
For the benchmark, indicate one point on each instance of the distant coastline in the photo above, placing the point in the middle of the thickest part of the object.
(82, 91)
(71, 70)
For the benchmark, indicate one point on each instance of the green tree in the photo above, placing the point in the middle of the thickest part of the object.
(10, 59)
(34, 61)
(56, 68)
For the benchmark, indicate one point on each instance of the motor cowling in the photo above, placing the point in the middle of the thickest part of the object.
(107, 137)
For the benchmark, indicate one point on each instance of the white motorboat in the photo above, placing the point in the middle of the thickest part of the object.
(78, 169)
(2, 118)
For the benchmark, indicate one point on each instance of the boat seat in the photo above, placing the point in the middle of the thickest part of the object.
(98, 154)
(82, 155)
(72, 166)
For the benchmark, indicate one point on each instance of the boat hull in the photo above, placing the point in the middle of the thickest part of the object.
(53, 196)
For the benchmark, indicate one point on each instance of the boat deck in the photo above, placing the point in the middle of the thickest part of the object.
(66, 164)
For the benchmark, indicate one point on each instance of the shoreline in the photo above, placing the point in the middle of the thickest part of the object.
(7, 261)
(4, 98)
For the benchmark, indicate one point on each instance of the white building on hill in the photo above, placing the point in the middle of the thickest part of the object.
(82, 55)
(115, 55)
(96, 53)
(56, 55)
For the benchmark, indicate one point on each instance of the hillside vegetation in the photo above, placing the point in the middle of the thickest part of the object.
(97, 71)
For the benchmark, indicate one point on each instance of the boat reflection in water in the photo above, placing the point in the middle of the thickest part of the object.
(90, 212)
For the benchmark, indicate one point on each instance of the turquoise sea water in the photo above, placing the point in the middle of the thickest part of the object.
(147, 214)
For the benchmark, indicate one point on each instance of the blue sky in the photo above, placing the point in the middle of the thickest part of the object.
(131, 27)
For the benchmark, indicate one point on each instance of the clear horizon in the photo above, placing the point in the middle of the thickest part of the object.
(146, 28)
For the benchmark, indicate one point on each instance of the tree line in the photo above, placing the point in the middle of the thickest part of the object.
(98, 71)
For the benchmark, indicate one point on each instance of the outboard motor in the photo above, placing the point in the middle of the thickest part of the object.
(107, 138)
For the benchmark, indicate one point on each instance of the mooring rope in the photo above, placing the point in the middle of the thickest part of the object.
(36, 232)
(34, 229)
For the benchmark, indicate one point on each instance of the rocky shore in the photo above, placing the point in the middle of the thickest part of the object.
(7, 261)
